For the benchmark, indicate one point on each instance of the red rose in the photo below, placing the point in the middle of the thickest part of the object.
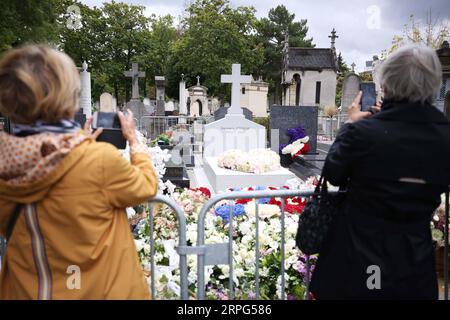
(205, 191)
(243, 201)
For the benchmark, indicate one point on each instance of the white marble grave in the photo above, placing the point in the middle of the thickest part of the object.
(234, 131)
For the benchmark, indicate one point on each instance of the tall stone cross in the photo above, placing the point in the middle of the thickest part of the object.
(198, 80)
(333, 38)
(353, 65)
(134, 74)
(236, 79)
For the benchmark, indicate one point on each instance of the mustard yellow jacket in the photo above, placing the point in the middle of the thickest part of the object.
(73, 239)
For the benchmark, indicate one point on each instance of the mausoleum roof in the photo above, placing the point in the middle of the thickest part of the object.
(311, 59)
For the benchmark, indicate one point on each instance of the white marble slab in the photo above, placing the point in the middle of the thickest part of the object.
(220, 179)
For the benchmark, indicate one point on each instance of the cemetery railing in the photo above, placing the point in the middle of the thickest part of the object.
(156, 125)
(222, 253)
(182, 243)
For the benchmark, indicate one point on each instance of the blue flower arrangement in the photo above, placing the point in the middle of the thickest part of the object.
(223, 211)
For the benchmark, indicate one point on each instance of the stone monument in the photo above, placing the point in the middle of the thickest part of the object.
(107, 103)
(234, 131)
(135, 104)
(85, 92)
(160, 95)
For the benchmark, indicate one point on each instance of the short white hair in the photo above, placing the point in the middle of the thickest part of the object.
(412, 73)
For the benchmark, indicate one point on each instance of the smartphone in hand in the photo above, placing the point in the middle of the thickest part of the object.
(112, 131)
(369, 96)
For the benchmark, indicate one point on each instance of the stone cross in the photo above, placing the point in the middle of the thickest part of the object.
(353, 65)
(236, 79)
(333, 38)
(135, 74)
(198, 80)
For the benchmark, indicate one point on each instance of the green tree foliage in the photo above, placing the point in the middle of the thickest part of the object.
(110, 39)
(343, 72)
(26, 21)
(214, 35)
(271, 35)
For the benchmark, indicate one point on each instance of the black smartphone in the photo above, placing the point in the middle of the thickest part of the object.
(112, 131)
(369, 96)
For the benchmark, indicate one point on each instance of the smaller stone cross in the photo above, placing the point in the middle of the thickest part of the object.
(134, 74)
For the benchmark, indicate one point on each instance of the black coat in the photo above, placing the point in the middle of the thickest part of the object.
(396, 165)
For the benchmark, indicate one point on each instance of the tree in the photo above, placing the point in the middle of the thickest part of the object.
(110, 39)
(343, 72)
(214, 35)
(271, 35)
(159, 46)
(26, 21)
(431, 33)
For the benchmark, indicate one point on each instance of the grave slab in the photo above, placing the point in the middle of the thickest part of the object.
(220, 179)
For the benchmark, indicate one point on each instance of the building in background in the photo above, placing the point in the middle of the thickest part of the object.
(254, 97)
(309, 75)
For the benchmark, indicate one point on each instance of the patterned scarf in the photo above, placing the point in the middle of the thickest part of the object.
(63, 126)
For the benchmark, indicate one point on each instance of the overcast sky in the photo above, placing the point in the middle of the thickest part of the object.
(364, 27)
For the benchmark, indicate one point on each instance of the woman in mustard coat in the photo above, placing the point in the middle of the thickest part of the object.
(71, 239)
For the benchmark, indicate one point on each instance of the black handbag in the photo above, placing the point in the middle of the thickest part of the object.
(317, 218)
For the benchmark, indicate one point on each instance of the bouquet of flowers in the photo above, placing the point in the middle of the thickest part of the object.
(298, 143)
(255, 161)
(438, 224)
(217, 221)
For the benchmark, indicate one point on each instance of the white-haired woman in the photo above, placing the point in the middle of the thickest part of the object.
(395, 164)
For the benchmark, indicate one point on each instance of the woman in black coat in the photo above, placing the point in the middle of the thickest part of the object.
(396, 165)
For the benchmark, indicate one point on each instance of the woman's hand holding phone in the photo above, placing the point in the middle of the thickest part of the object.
(128, 126)
(355, 113)
(89, 131)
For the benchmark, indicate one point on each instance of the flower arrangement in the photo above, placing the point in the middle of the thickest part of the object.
(438, 224)
(255, 161)
(164, 139)
(298, 143)
(216, 231)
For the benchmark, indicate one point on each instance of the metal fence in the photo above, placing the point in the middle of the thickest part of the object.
(222, 253)
(328, 127)
(153, 126)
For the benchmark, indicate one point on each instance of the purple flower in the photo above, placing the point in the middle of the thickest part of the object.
(251, 295)
(294, 134)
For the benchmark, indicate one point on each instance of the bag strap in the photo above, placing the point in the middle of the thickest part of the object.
(12, 221)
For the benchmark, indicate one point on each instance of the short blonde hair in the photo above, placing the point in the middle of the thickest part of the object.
(38, 83)
(412, 73)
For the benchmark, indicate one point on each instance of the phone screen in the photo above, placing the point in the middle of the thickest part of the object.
(108, 120)
(369, 95)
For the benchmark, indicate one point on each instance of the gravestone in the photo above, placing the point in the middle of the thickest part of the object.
(183, 94)
(85, 91)
(283, 118)
(149, 107)
(221, 112)
(160, 95)
(234, 131)
(184, 148)
(350, 89)
(135, 104)
(177, 174)
(106, 102)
